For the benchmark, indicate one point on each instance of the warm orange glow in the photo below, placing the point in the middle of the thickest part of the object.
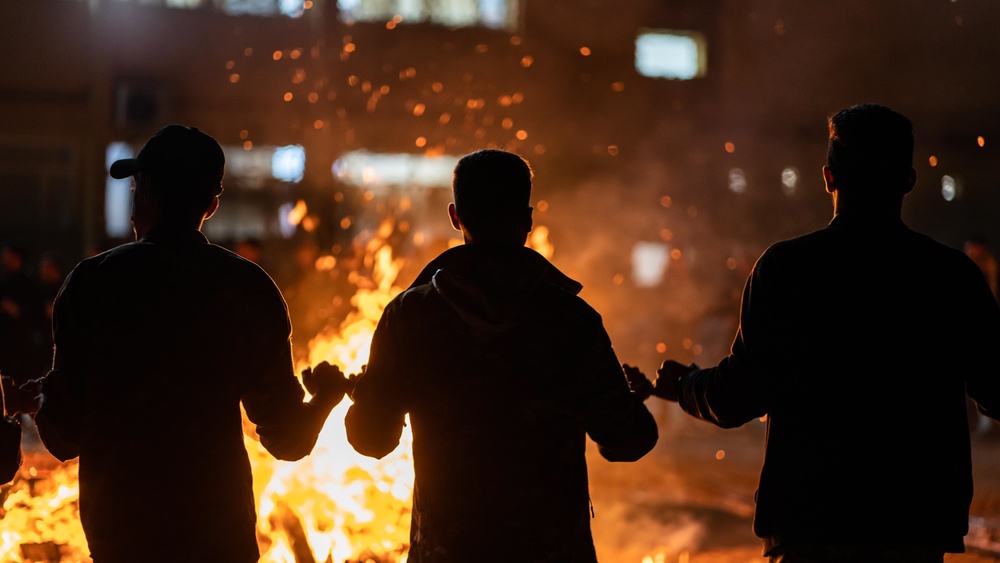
(230, 64)
(297, 213)
(445, 118)
(933, 161)
(307, 4)
(527, 60)
(390, 24)
(618, 279)
(585, 51)
(349, 47)
(287, 97)
(234, 78)
(661, 348)
(420, 142)
(247, 145)
(666, 201)
(981, 141)
(538, 239)
(313, 97)
(437, 87)
(731, 263)
(542, 206)
(517, 97)
(521, 134)
(539, 149)
(418, 109)
(277, 55)
(248, 51)
(720, 455)
(318, 124)
(613, 150)
(482, 48)
(345, 223)
(515, 40)
(617, 86)
(507, 123)
(730, 147)
(244, 133)
(296, 53)
(675, 254)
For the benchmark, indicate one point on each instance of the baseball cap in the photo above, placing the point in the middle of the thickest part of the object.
(176, 151)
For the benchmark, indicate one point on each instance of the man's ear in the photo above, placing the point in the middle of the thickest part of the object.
(829, 180)
(453, 215)
(528, 221)
(212, 207)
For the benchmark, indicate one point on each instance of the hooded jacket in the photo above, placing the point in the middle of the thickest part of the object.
(504, 371)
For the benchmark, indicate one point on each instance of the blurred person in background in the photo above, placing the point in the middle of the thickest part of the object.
(503, 371)
(158, 343)
(859, 343)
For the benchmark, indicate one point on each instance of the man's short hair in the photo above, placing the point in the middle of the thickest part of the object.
(871, 146)
(491, 188)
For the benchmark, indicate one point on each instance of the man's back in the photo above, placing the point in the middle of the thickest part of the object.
(860, 340)
(164, 337)
(503, 372)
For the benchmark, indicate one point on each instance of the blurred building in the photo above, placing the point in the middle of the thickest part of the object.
(692, 128)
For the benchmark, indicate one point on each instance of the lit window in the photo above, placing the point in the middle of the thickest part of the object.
(649, 263)
(362, 168)
(118, 194)
(789, 180)
(737, 181)
(949, 188)
(495, 14)
(288, 163)
(678, 55)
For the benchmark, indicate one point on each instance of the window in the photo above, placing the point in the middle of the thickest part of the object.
(495, 14)
(677, 55)
(372, 170)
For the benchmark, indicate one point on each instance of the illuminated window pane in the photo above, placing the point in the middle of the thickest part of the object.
(118, 194)
(496, 14)
(737, 181)
(670, 54)
(288, 163)
(649, 263)
(362, 168)
(949, 188)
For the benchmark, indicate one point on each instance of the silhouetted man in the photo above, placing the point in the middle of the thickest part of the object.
(157, 343)
(858, 342)
(503, 372)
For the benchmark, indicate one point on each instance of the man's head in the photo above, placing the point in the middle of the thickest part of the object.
(870, 154)
(178, 176)
(492, 189)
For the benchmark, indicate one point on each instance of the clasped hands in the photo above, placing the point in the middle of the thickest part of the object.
(327, 383)
(666, 385)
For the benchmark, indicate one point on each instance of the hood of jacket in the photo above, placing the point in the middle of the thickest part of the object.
(491, 287)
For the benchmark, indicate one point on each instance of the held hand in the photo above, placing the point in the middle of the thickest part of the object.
(638, 382)
(668, 377)
(326, 381)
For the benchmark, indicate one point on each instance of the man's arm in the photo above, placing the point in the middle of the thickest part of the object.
(615, 417)
(61, 419)
(735, 391)
(375, 421)
(274, 399)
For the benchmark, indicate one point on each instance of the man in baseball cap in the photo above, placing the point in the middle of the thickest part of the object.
(158, 343)
(179, 172)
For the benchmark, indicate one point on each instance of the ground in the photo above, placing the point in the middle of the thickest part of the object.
(691, 499)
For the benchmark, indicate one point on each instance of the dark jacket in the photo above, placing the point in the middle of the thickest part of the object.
(157, 343)
(859, 342)
(503, 372)
(10, 449)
